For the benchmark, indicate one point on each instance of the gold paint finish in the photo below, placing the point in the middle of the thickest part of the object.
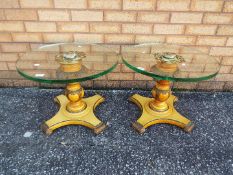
(85, 117)
(161, 93)
(159, 109)
(74, 109)
(164, 67)
(75, 93)
(71, 67)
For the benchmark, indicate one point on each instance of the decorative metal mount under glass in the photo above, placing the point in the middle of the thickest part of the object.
(84, 62)
(166, 64)
(167, 61)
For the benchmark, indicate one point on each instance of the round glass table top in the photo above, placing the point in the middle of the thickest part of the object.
(67, 62)
(170, 62)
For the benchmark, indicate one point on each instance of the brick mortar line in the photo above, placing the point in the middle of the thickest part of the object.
(19, 2)
(120, 22)
(53, 3)
(196, 39)
(125, 10)
(122, 5)
(118, 33)
(37, 15)
(189, 45)
(70, 15)
(56, 28)
(11, 36)
(223, 6)
(121, 28)
(89, 27)
(231, 71)
(156, 6)
(225, 44)
(202, 18)
(163, 12)
(216, 30)
(134, 39)
(104, 15)
(190, 4)
(87, 5)
(136, 17)
(232, 19)
(184, 30)
(4, 14)
(104, 38)
(136, 34)
(24, 27)
(169, 18)
(6, 65)
(224, 87)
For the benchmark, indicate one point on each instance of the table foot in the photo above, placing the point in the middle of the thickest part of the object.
(85, 117)
(151, 117)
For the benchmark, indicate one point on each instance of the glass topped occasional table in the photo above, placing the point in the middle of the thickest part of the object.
(70, 64)
(165, 64)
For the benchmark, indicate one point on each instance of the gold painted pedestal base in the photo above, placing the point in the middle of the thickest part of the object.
(151, 117)
(85, 117)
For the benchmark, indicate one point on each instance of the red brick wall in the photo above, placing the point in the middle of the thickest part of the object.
(206, 24)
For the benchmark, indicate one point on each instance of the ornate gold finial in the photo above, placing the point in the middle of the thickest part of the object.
(167, 61)
(169, 57)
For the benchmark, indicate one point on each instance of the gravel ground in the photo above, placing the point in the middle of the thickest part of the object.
(163, 149)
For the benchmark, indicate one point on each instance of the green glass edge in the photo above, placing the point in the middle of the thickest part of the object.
(67, 81)
(158, 77)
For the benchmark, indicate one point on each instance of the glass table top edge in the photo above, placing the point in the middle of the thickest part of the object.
(50, 70)
(53, 81)
(174, 79)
